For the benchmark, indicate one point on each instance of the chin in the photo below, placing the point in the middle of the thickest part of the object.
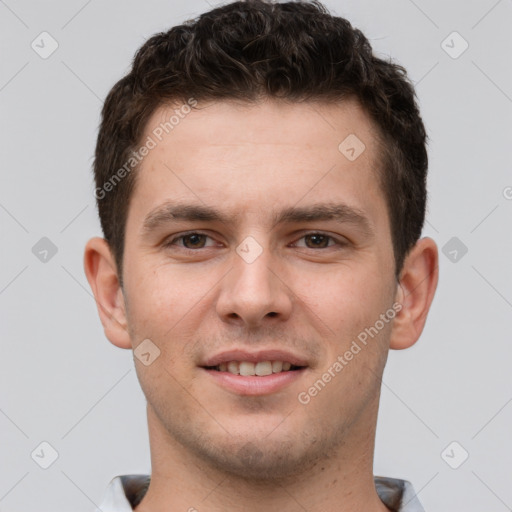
(257, 461)
(260, 456)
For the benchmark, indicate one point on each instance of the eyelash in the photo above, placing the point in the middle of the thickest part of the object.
(171, 242)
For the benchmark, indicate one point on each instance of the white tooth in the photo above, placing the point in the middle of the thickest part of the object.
(233, 367)
(277, 366)
(263, 368)
(223, 367)
(286, 366)
(246, 368)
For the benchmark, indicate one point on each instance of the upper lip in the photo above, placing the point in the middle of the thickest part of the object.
(255, 357)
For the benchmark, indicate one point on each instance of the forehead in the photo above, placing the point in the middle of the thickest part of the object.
(310, 125)
(256, 157)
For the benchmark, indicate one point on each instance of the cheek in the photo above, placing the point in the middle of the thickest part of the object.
(162, 296)
(347, 298)
(168, 305)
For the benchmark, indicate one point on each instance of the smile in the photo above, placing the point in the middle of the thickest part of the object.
(260, 369)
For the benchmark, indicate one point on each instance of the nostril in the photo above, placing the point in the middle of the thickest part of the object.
(272, 314)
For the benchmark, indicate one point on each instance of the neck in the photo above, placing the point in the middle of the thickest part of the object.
(341, 482)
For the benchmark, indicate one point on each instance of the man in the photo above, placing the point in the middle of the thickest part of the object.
(260, 179)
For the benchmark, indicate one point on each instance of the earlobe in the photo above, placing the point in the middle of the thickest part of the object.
(415, 292)
(101, 272)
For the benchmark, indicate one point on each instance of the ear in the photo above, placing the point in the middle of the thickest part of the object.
(415, 291)
(101, 271)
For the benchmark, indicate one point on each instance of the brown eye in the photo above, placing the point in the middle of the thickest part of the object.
(317, 241)
(194, 241)
(190, 241)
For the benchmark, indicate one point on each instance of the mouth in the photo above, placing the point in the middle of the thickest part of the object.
(262, 373)
(250, 369)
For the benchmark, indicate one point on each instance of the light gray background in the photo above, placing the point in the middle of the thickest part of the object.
(62, 382)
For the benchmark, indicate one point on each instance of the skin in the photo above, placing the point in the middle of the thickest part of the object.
(214, 449)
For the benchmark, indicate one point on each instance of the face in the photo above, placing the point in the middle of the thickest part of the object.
(254, 244)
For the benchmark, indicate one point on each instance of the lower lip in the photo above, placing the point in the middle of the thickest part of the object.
(254, 385)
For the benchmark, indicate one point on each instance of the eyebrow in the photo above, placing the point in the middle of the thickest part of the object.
(339, 212)
(172, 211)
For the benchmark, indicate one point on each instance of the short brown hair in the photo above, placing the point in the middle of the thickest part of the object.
(294, 51)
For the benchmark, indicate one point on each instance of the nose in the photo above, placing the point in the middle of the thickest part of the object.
(253, 294)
